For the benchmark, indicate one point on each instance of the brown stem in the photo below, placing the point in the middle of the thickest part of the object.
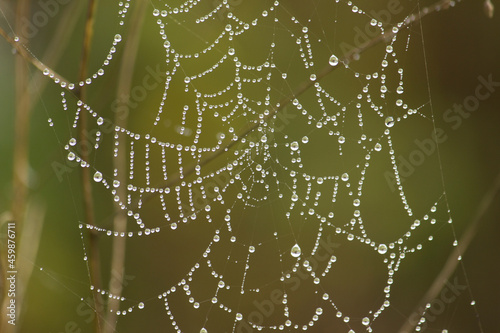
(94, 253)
(452, 261)
(116, 282)
(21, 148)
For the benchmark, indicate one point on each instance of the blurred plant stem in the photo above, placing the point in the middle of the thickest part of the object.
(120, 164)
(30, 213)
(88, 204)
(453, 259)
(21, 153)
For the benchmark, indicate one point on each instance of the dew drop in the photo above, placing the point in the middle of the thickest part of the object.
(366, 321)
(389, 121)
(72, 141)
(100, 121)
(382, 249)
(345, 177)
(141, 305)
(71, 156)
(305, 139)
(333, 61)
(203, 330)
(97, 176)
(118, 38)
(239, 316)
(116, 183)
(294, 146)
(378, 147)
(296, 251)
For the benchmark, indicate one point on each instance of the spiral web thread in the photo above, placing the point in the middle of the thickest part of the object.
(263, 164)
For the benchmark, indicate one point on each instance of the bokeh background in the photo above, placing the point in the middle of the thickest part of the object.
(461, 45)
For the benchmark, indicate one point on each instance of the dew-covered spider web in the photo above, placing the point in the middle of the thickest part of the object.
(271, 181)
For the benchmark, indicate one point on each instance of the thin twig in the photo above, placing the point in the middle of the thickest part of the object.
(22, 50)
(120, 164)
(458, 251)
(94, 257)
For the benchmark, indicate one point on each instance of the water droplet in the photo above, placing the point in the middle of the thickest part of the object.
(305, 139)
(389, 49)
(295, 197)
(141, 305)
(382, 249)
(341, 139)
(71, 156)
(366, 321)
(294, 146)
(72, 141)
(100, 121)
(334, 61)
(345, 177)
(378, 147)
(116, 183)
(239, 316)
(400, 90)
(258, 167)
(296, 251)
(356, 202)
(118, 38)
(97, 176)
(251, 249)
(312, 77)
(203, 330)
(389, 121)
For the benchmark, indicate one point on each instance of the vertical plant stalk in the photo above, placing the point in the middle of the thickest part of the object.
(452, 261)
(116, 282)
(94, 254)
(20, 166)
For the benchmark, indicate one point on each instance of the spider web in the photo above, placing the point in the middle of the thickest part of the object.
(263, 175)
